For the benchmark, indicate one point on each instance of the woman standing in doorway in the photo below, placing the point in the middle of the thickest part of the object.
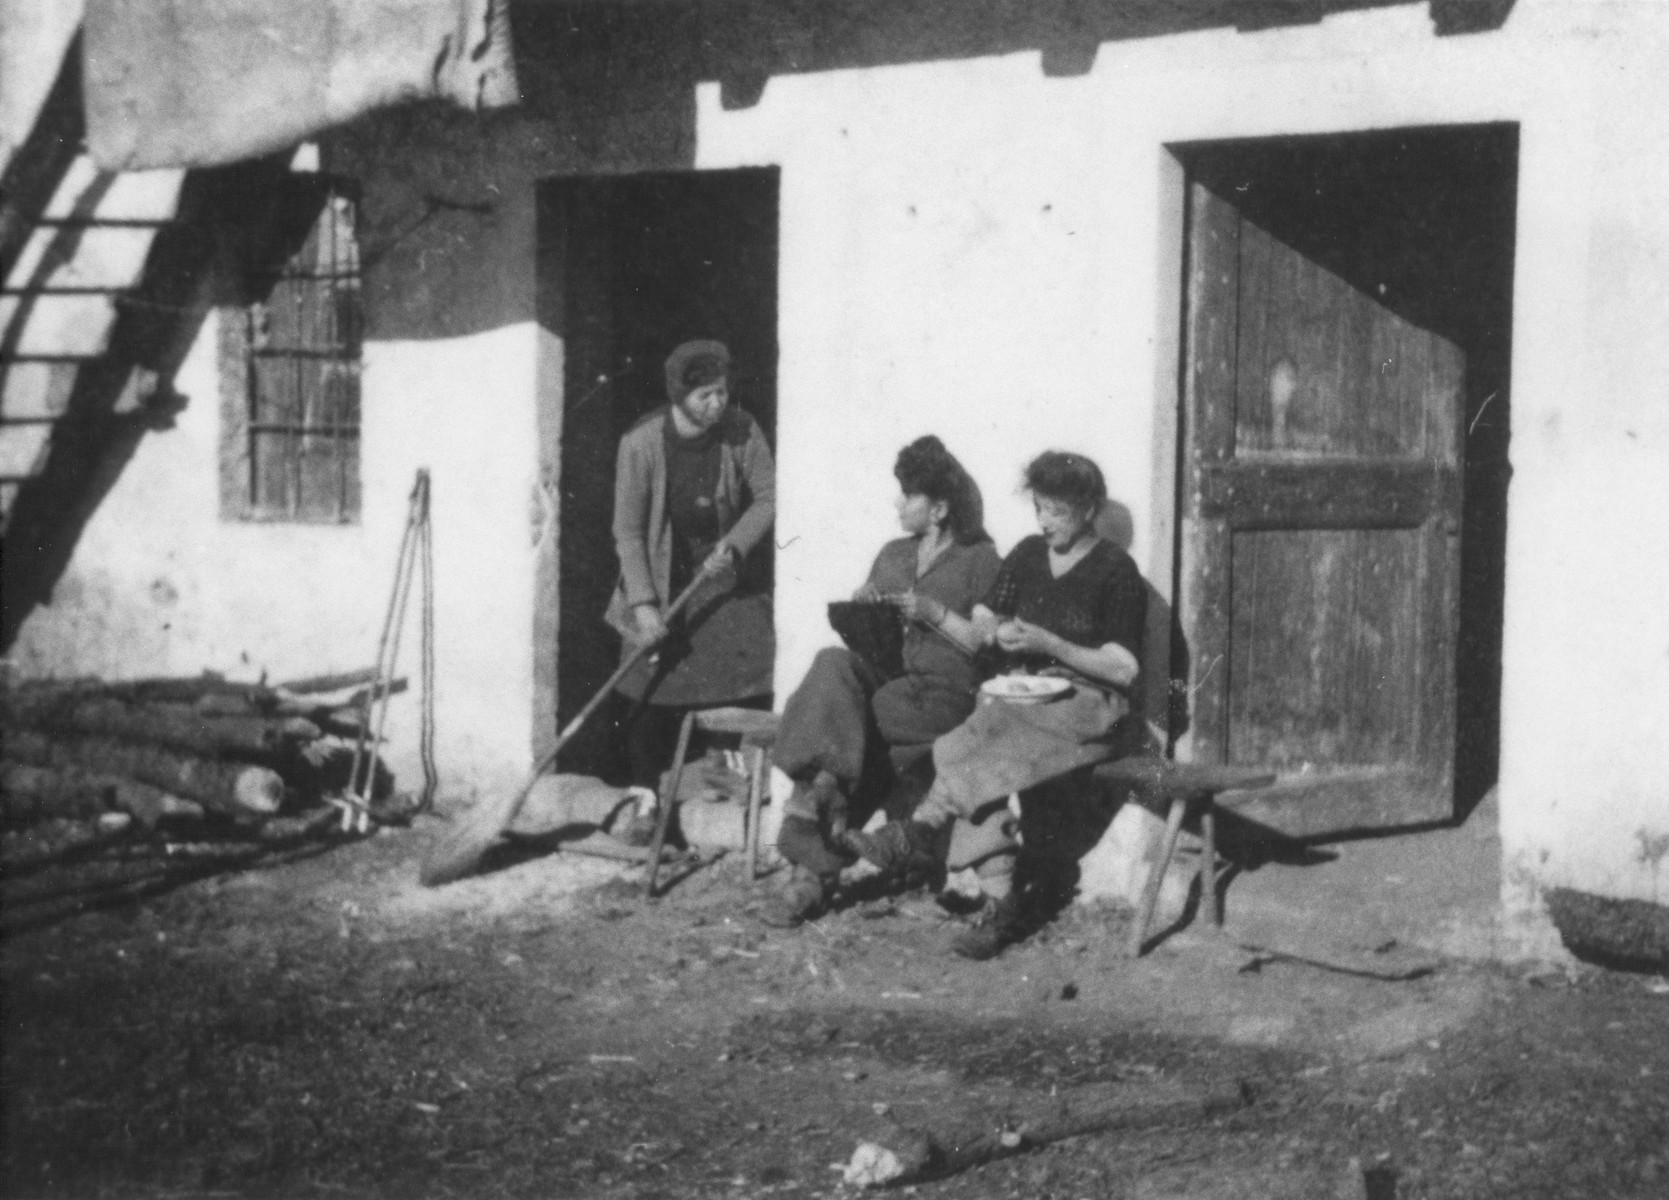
(694, 496)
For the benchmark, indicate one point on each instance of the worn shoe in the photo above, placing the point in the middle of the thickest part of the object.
(636, 821)
(802, 842)
(901, 849)
(803, 899)
(999, 925)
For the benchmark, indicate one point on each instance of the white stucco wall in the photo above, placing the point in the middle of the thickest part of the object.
(980, 250)
(1584, 783)
(160, 585)
(976, 249)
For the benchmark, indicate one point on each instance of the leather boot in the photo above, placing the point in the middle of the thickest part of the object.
(802, 842)
(804, 898)
(905, 850)
(999, 925)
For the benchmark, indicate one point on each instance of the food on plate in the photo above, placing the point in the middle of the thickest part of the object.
(1026, 688)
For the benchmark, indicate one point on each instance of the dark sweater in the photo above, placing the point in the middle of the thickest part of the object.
(1102, 599)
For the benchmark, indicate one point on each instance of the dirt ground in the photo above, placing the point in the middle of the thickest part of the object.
(325, 1027)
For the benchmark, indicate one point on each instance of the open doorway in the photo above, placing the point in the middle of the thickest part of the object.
(1343, 466)
(629, 267)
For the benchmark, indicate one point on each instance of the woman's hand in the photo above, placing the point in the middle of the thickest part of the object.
(719, 561)
(651, 626)
(867, 594)
(917, 607)
(1022, 637)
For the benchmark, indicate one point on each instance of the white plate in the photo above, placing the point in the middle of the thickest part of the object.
(1026, 689)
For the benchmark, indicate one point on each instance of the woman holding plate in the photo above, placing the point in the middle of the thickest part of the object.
(847, 730)
(1068, 607)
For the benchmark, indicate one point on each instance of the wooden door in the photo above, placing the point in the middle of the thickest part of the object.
(1319, 534)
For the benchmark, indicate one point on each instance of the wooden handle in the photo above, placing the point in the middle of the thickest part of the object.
(457, 854)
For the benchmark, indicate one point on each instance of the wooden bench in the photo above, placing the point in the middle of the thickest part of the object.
(1185, 787)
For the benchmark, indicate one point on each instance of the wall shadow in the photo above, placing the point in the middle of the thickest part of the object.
(610, 89)
(1162, 699)
(224, 222)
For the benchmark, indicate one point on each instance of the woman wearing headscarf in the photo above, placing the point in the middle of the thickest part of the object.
(846, 728)
(694, 496)
(1066, 603)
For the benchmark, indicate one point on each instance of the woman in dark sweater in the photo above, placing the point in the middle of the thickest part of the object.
(694, 496)
(1066, 603)
(847, 729)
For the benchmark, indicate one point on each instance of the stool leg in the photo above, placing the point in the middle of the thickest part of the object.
(756, 793)
(1150, 894)
(1208, 861)
(669, 801)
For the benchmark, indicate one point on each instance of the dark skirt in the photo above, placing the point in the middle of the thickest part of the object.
(722, 651)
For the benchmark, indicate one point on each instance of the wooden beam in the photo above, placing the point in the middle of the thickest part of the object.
(1329, 802)
(1333, 494)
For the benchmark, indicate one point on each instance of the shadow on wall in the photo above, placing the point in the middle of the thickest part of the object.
(1163, 699)
(225, 226)
(610, 88)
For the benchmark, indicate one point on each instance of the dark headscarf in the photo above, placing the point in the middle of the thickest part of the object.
(695, 365)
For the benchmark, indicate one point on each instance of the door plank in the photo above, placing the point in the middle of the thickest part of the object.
(1321, 487)
(1341, 494)
(1336, 802)
(1208, 423)
(1324, 629)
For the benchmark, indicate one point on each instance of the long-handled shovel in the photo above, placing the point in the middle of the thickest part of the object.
(456, 854)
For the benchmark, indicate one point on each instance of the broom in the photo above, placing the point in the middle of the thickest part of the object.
(456, 854)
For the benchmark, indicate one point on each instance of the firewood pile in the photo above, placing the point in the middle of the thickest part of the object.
(187, 766)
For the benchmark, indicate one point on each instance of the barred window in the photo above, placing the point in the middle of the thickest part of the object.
(290, 365)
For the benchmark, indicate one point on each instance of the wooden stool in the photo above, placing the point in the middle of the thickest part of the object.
(757, 728)
(1185, 785)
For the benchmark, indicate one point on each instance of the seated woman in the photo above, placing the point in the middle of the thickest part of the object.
(1065, 603)
(841, 722)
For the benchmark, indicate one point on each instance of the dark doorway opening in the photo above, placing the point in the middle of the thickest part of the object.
(630, 266)
(1416, 225)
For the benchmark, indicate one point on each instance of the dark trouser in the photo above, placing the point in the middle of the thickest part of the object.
(843, 719)
(652, 737)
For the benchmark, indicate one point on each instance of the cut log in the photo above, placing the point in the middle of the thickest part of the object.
(29, 795)
(53, 840)
(329, 683)
(214, 705)
(34, 794)
(151, 806)
(365, 695)
(237, 789)
(922, 1154)
(26, 746)
(186, 690)
(190, 689)
(283, 830)
(180, 726)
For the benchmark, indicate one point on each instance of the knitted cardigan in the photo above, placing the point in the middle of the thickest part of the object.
(746, 502)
